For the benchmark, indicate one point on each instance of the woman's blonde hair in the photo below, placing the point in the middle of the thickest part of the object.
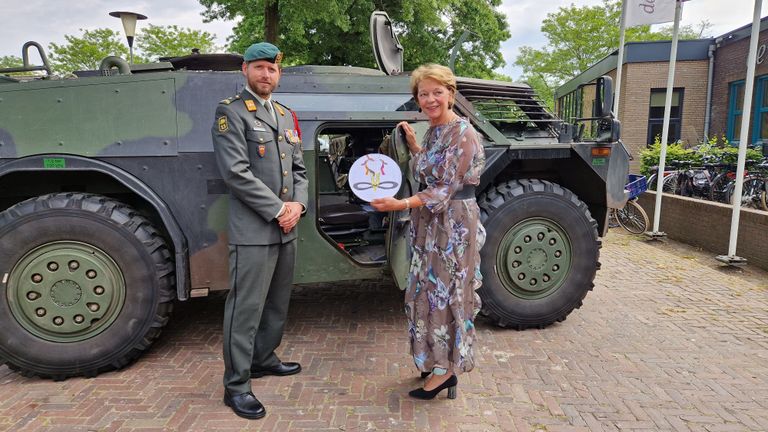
(437, 72)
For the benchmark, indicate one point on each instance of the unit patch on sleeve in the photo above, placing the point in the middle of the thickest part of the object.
(223, 125)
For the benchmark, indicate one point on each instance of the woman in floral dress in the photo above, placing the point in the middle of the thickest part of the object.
(446, 235)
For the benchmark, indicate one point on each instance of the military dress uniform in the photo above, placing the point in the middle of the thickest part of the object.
(260, 158)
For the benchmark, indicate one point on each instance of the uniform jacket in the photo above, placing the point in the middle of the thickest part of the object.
(262, 165)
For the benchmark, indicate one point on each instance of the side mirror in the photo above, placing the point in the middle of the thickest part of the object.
(604, 96)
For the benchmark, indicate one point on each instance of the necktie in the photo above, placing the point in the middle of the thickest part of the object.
(270, 111)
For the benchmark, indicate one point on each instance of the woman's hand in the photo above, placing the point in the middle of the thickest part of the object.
(388, 204)
(410, 137)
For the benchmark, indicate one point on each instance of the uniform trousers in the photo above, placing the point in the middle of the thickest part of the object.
(261, 279)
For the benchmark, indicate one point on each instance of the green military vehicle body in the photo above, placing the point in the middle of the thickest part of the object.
(112, 208)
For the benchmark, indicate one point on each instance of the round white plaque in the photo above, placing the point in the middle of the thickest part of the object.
(375, 176)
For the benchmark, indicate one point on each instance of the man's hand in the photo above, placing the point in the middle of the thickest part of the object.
(290, 216)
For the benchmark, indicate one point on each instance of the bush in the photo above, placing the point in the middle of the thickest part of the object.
(711, 149)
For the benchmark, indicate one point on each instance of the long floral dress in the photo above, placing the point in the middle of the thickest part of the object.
(446, 235)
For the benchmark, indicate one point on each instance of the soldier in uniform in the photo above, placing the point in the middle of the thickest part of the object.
(258, 151)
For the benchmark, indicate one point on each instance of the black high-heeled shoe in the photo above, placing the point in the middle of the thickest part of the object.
(425, 374)
(449, 384)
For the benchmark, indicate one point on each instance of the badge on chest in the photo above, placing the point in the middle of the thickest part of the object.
(292, 136)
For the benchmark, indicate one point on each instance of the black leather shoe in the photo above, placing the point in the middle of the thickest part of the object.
(425, 374)
(245, 405)
(449, 384)
(282, 369)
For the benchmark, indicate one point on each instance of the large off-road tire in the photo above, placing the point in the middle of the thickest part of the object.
(540, 256)
(87, 285)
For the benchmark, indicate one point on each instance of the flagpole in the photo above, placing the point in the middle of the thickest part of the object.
(749, 83)
(620, 61)
(665, 127)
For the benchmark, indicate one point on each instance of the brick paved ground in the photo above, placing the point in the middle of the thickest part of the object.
(668, 341)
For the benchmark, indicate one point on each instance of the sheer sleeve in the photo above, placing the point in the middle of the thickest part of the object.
(451, 168)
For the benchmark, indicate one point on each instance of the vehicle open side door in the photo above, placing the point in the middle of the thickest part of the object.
(398, 239)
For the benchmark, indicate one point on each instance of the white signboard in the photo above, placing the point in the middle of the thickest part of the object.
(374, 176)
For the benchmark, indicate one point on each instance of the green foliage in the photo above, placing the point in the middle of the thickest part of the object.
(579, 37)
(172, 41)
(86, 52)
(10, 62)
(649, 157)
(14, 62)
(336, 32)
(542, 88)
(152, 42)
(712, 149)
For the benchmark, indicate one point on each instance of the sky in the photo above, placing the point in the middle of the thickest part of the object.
(47, 21)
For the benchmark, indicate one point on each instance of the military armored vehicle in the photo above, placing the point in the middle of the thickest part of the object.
(112, 208)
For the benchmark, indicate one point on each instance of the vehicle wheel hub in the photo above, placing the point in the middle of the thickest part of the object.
(66, 291)
(533, 258)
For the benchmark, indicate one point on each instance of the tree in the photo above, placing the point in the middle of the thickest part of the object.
(336, 32)
(15, 62)
(10, 62)
(172, 41)
(86, 52)
(578, 37)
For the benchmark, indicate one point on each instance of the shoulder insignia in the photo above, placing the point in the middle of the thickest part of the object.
(223, 124)
(280, 108)
(229, 100)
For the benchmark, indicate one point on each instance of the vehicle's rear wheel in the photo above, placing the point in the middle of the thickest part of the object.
(89, 284)
(540, 256)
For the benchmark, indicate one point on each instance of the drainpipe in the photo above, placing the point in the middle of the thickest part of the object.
(710, 73)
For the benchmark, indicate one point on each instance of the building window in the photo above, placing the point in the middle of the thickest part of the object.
(656, 115)
(735, 105)
(760, 122)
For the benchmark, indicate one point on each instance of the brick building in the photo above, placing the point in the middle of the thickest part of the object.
(708, 90)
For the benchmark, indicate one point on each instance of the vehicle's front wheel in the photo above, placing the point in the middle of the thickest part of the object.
(540, 256)
(88, 285)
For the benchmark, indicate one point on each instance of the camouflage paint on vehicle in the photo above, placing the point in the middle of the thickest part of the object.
(132, 154)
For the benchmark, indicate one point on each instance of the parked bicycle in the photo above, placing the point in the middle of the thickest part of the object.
(632, 217)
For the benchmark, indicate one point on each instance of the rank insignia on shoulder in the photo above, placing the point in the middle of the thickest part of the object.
(250, 105)
(279, 109)
(262, 150)
(223, 125)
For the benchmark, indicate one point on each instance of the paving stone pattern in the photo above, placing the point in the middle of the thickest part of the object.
(668, 341)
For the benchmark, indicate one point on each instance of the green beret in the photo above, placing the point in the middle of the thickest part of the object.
(263, 51)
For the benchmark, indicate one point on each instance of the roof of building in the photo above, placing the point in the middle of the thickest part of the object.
(641, 52)
(740, 33)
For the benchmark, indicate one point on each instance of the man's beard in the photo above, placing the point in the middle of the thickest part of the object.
(262, 89)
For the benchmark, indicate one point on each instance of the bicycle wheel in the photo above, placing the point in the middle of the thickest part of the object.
(632, 217)
(613, 221)
(671, 183)
(652, 182)
(718, 187)
(750, 192)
